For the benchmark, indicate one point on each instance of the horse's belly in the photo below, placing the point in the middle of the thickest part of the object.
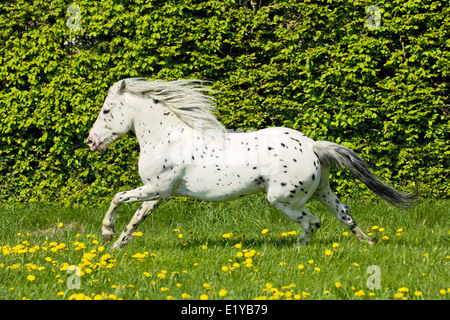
(214, 185)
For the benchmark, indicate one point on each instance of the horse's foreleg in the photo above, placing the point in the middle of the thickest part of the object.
(139, 216)
(143, 193)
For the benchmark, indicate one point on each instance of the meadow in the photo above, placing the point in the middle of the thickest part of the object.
(243, 249)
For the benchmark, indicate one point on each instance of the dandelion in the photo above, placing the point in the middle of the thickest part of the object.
(264, 231)
(442, 291)
(60, 225)
(164, 289)
(311, 261)
(335, 245)
(375, 227)
(137, 234)
(238, 246)
(60, 293)
(403, 289)
(381, 229)
(425, 255)
(204, 297)
(360, 293)
(337, 284)
(328, 252)
(418, 293)
(180, 235)
(399, 295)
(356, 264)
(204, 247)
(223, 293)
(227, 235)
(98, 297)
(326, 292)
(385, 238)
(317, 269)
(185, 296)
(345, 234)
(300, 267)
(31, 278)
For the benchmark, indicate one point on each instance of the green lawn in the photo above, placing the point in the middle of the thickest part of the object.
(242, 249)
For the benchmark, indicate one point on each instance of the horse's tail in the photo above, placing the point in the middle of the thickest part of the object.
(332, 153)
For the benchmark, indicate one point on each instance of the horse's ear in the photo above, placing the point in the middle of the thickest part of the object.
(121, 87)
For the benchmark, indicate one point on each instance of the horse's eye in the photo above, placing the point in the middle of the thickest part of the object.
(105, 111)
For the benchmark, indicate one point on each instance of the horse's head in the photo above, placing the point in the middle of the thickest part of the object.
(112, 122)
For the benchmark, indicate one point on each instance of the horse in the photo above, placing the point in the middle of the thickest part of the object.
(186, 151)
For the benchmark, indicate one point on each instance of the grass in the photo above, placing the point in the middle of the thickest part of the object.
(242, 249)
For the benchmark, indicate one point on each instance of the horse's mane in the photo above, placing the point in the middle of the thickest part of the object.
(187, 99)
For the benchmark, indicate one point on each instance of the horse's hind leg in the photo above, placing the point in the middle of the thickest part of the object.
(340, 210)
(309, 222)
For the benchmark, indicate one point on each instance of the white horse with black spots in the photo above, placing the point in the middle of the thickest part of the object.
(186, 151)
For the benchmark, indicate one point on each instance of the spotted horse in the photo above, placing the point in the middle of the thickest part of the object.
(186, 151)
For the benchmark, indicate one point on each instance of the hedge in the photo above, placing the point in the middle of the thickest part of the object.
(315, 66)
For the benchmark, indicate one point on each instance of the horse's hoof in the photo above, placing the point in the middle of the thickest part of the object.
(372, 240)
(107, 236)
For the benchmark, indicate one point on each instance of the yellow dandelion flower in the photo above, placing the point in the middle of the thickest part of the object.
(60, 225)
(311, 261)
(335, 245)
(317, 269)
(442, 291)
(223, 293)
(238, 246)
(418, 293)
(328, 252)
(345, 234)
(403, 289)
(164, 289)
(399, 295)
(204, 247)
(224, 268)
(180, 235)
(337, 284)
(356, 264)
(185, 296)
(264, 231)
(31, 278)
(300, 267)
(375, 227)
(360, 293)
(204, 297)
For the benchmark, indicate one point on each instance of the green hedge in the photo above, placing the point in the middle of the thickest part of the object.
(313, 66)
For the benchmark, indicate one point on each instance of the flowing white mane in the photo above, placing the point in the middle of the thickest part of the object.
(185, 98)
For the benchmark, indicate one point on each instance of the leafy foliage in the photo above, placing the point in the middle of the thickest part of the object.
(314, 66)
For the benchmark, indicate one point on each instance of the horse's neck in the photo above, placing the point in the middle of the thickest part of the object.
(154, 123)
